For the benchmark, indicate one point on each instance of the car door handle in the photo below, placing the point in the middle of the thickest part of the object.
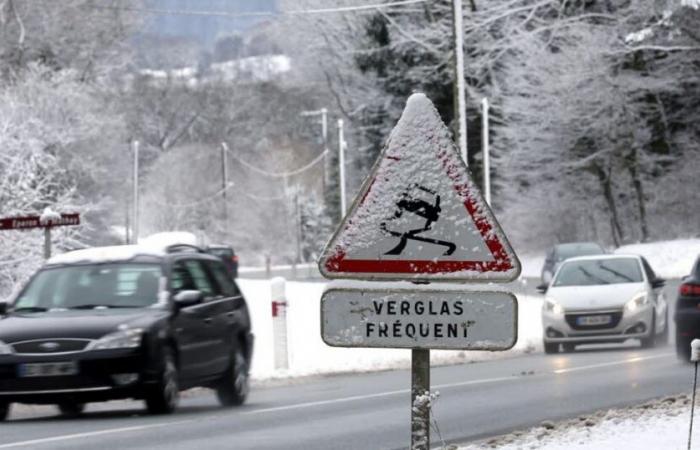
(207, 320)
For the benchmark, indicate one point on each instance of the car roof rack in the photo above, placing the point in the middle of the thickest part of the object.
(183, 248)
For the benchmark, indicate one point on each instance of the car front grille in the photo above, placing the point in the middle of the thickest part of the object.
(572, 320)
(49, 346)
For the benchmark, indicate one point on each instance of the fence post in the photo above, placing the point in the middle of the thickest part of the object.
(279, 323)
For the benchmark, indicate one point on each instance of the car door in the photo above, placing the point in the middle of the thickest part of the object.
(233, 309)
(215, 338)
(193, 324)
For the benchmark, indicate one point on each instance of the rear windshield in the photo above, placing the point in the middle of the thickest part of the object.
(566, 251)
(599, 271)
(117, 285)
(221, 252)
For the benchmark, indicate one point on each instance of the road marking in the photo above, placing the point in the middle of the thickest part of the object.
(67, 437)
(369, 396)
(328, 402)
(449, 385)
(612, 363)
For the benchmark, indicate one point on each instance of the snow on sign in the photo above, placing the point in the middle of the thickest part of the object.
(424, 318)
(418, 215)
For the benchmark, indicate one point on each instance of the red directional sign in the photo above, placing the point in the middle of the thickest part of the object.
(418, 215)
(29, 222)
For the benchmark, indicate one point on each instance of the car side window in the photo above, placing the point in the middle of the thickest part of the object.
(200, 277)
(228, 288)
(651, 276)
(181, 279)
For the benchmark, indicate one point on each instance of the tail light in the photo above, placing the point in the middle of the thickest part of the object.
(234, 258)
(690, 290)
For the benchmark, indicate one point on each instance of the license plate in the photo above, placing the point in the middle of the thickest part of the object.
(593, 320)
(57, 369)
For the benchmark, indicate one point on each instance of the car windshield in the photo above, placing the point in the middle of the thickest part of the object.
(566, 251)
(114, 285)
(599, 271)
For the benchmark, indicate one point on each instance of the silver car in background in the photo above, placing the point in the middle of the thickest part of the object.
(604, 298)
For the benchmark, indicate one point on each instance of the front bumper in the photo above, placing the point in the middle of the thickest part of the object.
(102, 375)
(563, 328)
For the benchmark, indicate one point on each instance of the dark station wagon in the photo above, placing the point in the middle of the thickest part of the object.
(125, 322)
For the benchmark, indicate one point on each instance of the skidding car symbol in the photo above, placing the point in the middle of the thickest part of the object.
(411, 202)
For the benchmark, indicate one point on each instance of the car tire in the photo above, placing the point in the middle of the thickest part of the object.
(71, 409)
(650, 341)
(233, 388)
(162, 397)
(550, 348)
(569, 348)
(4, 411)
(683, 346)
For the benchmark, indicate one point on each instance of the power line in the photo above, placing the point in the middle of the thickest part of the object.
(182, 12)
(281, 174)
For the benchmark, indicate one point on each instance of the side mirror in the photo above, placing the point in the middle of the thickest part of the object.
(3, 308)
(184, 299)
(658, 283)
(542, 288)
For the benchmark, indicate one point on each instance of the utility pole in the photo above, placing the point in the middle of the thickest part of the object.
(297, 222)
(341, 166)
(323, 112)
(224, 184)
(135, 225)
(459, 88)
(486, 150)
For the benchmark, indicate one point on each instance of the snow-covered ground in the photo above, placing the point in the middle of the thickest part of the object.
(658, 425)
(669, 259)
(309, 355)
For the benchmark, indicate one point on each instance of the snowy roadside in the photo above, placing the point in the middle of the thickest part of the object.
(669, 259)
(310, 356)
(660, 424)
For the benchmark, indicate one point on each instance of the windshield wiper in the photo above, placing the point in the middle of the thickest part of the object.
(615, 272)
(94, 306)
(591, 276)
(30, 309)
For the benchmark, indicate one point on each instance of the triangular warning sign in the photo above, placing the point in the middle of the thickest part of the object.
(418, 215)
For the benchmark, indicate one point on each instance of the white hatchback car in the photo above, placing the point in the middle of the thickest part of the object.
(604, 298)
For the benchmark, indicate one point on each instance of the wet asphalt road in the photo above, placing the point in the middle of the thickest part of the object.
(371, 411)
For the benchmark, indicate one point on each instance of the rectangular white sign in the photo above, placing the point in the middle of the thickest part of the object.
(429, 319)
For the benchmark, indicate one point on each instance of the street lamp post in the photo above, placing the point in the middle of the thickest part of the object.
(341, 166)
(487, 155)
(459, 87)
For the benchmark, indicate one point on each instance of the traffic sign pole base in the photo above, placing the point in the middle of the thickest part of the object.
(420, 399)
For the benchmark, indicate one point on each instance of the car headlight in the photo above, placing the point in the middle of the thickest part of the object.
(129, 338)
(552, 306)
(638, 301)
(5, 349)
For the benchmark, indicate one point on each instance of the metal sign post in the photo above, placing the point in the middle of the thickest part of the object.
(420, 409)
(419, 217)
